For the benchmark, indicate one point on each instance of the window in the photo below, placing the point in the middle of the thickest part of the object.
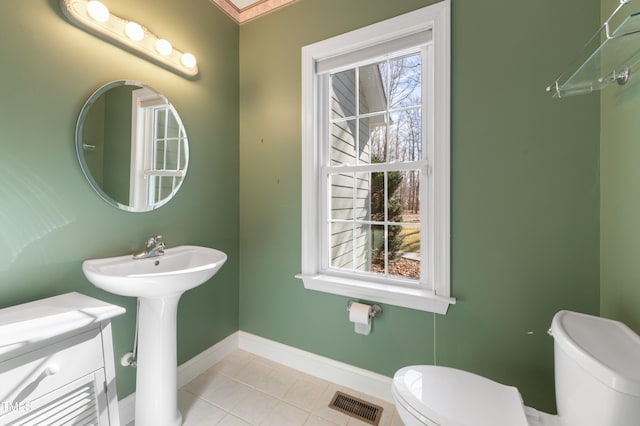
(159, 150)
(375, 202)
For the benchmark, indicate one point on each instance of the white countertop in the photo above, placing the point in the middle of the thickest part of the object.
(40, 320)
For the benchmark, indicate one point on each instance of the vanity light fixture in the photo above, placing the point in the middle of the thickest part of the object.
(95, 18)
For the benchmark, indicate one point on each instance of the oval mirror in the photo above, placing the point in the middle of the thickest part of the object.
(132, 146)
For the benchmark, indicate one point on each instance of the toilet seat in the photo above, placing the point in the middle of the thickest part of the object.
(449, 397)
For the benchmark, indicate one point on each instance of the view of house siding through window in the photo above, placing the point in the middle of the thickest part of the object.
(375, 155)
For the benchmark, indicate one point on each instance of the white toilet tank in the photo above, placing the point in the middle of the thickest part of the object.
(597, 371)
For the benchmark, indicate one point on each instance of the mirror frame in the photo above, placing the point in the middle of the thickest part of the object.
(80, 149)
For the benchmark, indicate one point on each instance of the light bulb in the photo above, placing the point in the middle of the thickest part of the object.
(134, 31)
(98, 11)
(164, 47)
(188, 60)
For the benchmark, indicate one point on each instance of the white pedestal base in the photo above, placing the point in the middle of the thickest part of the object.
(156, 376)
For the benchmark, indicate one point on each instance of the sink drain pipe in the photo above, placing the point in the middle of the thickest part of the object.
(130, 358)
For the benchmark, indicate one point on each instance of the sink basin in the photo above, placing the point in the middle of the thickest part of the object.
(178, 270)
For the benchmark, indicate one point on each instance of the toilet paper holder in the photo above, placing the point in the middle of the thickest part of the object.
(373, 310)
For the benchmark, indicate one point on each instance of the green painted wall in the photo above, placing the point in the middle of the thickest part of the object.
(620, 197)
(525, 213)
(525, 181)
(50, 219)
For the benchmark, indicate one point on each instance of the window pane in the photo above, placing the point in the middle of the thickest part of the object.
(377, 196)
(363, 248)
(343, 94)
(405, 135)
(363, 197)
(405, 262)
(408, 195)
(160, 115)
(373, 134)
(342, 237)
(173, 127)
(343, 187)
(171, 153)
(165, 187)
(372, 96)
(159, 155)
(404, 85)
(183, 149)
(343, 146)
(342, 196)
(394, 205)
(403, 196)
(378, 249)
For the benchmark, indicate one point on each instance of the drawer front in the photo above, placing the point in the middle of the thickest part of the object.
(31, 375)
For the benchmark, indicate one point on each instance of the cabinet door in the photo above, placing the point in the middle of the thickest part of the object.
(82, 402)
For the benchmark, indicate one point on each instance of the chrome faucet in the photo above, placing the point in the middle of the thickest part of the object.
(152, 248)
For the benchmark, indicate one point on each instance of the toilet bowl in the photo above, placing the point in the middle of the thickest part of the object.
(440, 396)
(597, 377)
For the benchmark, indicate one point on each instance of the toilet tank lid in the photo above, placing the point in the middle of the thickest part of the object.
(608, 349)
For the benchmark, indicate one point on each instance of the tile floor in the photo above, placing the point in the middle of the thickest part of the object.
(244, 389)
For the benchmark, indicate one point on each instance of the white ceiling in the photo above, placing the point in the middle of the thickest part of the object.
(241, 4)
(247, 10)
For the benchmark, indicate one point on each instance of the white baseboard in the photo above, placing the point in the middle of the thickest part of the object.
(356, 378)
(328, 369)
(127, 409)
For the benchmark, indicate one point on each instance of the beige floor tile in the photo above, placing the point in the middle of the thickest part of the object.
(197, 412)
(277, 382)
(228, 395)
(285, 414)
(208, 381)
(255, 407)
(305, 392)
(253, 373)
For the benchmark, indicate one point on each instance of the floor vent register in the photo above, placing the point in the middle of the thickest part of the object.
(356, 407)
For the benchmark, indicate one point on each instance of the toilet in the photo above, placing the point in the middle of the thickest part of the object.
(597, 381)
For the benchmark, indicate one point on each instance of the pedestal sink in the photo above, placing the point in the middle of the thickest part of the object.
(157, 282)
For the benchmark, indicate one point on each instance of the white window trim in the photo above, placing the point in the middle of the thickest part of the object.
(437, 19)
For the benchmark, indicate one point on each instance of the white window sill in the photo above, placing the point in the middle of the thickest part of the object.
(414, 298)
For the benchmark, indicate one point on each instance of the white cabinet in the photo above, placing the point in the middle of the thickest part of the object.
(56, 363)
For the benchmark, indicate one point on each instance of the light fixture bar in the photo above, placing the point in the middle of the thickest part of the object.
(94, 17)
